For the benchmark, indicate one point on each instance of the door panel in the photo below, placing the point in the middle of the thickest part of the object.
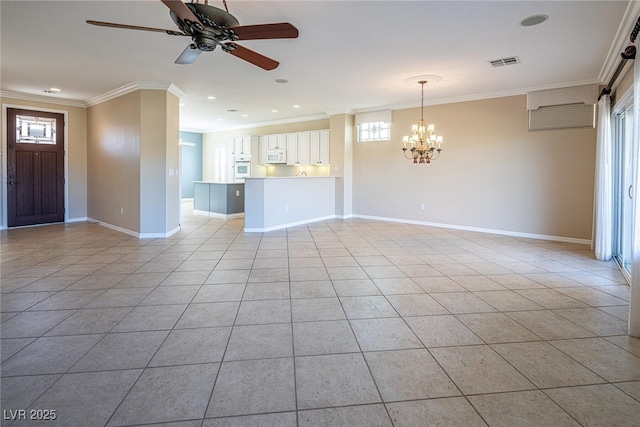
(35, 167)
(49, 183)
(623, 179)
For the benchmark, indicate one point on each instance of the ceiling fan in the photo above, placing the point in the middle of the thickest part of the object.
(209, 27)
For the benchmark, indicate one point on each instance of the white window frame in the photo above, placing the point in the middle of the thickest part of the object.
(374, 131)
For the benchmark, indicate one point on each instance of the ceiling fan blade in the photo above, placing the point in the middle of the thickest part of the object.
(250, 56)
(135, 27)
(182, 11)
(189, 55)
(282, 30)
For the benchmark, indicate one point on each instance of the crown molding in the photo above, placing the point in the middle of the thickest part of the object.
(620, 41)
(476, 96)
(269, 123)
(42, 98)
(348, 111)
(122, 90)
(132, 87)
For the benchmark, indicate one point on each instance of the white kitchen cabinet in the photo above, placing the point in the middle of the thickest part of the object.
(277, 142)
(292, 148)
(319, 147)
(239, 145)
(282, 142)
(298, 148)
(263, 144)
(242, 145)
(303, 148)
(324, 147)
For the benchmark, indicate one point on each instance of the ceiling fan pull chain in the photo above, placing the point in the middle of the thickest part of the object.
(224, 2)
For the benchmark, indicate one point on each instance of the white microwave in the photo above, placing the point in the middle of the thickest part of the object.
(276, 156)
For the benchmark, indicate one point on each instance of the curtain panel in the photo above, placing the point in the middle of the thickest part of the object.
(603, 215)
(634, 300)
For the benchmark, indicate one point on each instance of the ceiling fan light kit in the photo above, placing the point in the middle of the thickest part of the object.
(210, 27)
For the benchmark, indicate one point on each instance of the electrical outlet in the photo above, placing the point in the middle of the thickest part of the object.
(121, 211)
(237, 193)
(422, 206)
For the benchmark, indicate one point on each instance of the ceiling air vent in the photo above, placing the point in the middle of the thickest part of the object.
(504, 61)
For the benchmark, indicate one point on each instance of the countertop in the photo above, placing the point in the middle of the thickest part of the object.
(216, 182)
(292, 177)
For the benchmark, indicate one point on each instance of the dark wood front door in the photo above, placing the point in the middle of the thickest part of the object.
(35, 167)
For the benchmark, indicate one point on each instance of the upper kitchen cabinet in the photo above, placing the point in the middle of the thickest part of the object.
(302, 148)
(298, 148)
(263, 143)
(319, 147)
(277, 142)
(242, 145)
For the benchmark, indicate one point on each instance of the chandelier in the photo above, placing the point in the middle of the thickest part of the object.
(423, 144)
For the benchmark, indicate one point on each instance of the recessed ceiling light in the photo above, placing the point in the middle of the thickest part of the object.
(274, 111)
(182, 105)
(211, 97)
(52, 90)
(296, 106)
(245, 115)
(282, 81)
(533, 20)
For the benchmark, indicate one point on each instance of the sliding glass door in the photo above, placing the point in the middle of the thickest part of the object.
(624, 166)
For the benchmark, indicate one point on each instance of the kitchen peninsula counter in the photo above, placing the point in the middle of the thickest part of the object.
(273, 203)
(219, 199)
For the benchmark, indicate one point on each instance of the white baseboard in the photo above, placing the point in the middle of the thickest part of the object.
(134, 233)
(377, 218)
(218, 215)
(290, 224)
(429, 224)
(114, 227)
(81, 219)
(479, 229)
(634, 329)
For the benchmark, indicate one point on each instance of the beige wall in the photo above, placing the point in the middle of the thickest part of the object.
(342, 136)
(76, 155)
(133, 162)
(493, 173)
(159, 180)
(172, 146)
(114, 135)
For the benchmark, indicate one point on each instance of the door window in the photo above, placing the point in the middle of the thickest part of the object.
(35, 130)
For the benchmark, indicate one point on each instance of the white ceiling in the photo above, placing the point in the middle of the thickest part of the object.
(351, 55)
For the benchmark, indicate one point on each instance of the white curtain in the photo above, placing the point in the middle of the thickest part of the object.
(634, 302)
(603, 215)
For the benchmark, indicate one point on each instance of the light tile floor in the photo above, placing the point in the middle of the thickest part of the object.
(353, 323)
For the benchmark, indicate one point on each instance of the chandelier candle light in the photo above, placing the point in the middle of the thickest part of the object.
(423, 143)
